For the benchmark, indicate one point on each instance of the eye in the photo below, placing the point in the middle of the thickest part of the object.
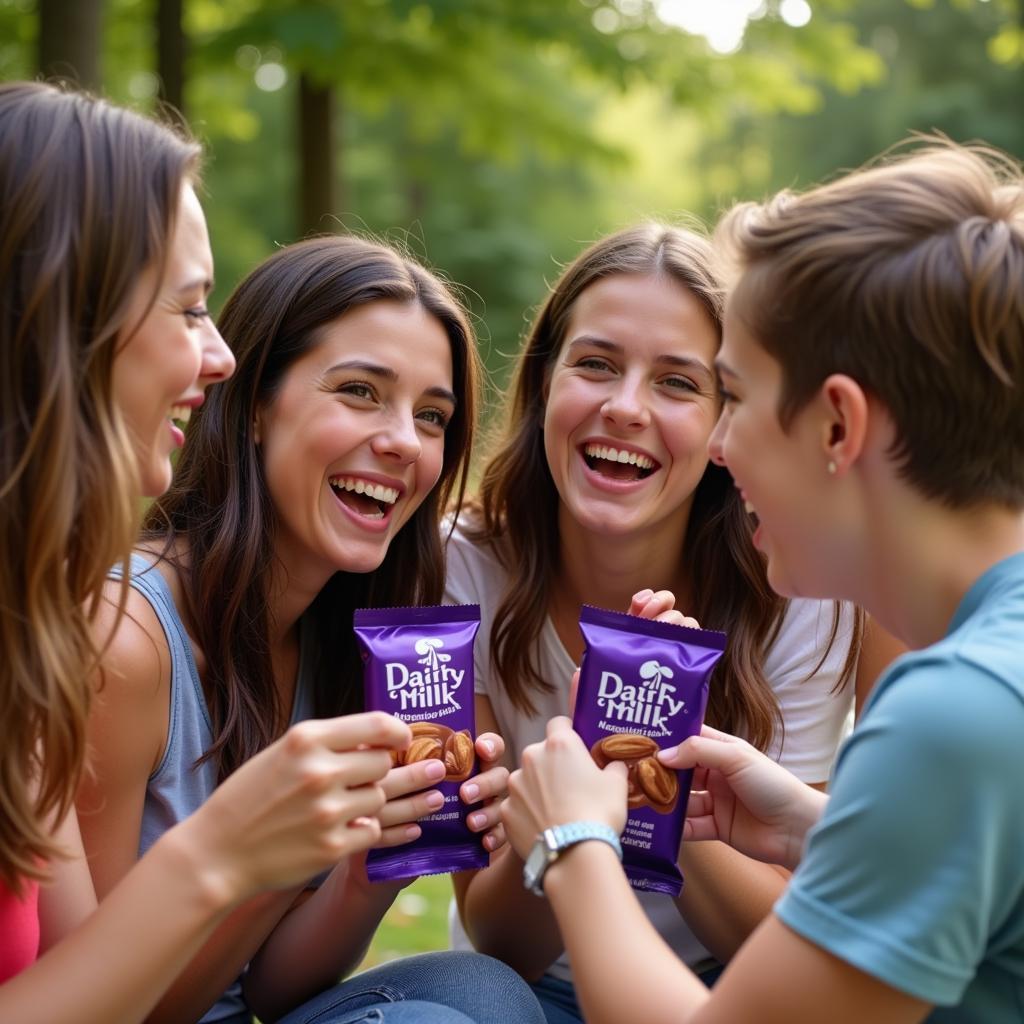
(434, 416)
(357, 389)
(676, 383)
(197, 314)
(595, 363)
(726, 397)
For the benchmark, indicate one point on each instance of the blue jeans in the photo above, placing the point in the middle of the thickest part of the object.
(558, 998)
(454, 987)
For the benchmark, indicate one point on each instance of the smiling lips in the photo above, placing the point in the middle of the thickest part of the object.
(618, 463)
(373, 501)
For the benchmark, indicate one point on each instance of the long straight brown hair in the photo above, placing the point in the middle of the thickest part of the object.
(219, 515)
(516, 512)
(88, 194)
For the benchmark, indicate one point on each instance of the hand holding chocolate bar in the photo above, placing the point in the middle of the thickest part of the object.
(419, 667)
(559, 783)
(744, 798)
(643, 686)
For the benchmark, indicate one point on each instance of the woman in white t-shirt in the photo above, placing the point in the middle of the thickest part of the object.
(600, 491)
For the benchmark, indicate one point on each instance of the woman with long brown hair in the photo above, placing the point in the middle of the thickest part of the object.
(600, 491)
(311, 484)
(105, 345)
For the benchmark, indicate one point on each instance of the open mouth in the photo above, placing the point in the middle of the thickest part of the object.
(618, 463)
(370, 500)
(180, 415)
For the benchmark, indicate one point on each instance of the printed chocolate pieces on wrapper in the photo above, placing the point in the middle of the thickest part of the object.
(644, 686)
(418, 666)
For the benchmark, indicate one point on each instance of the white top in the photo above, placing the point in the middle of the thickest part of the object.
(813, 716)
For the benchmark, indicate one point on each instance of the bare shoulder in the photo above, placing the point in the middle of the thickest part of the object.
(133, 645)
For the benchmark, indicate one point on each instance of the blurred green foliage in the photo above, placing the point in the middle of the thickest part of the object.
(494, 138)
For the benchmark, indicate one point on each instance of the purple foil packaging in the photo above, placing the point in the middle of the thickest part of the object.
(643, 687)
(418, 666)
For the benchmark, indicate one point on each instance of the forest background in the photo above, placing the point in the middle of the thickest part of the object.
(495, 138)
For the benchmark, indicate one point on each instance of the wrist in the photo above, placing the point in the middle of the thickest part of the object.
(579, 868)
(215, 886)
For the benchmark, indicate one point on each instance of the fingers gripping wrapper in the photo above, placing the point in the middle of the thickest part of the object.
(418, 666)
(643, 687)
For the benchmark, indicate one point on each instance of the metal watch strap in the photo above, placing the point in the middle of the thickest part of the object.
(556, 840)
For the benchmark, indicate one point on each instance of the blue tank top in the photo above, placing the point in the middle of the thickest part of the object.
(177, 788)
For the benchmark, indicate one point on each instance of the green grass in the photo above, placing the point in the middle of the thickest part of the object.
(416, 923)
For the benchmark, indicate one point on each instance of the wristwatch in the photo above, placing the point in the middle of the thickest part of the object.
(553, 842)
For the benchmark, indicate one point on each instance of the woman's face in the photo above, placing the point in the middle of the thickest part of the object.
(163, 367)
(353, 440)
(631, 404)
(781, 474)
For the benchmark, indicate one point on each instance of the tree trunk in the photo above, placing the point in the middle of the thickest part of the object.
(69, 40)
(170, 54)
(316, 156)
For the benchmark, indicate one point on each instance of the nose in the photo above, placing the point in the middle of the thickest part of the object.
(398, 439)
(716, 442)
(218, 362)
(626, 407)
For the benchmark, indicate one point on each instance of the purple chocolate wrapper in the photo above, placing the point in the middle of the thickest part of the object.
(644, 686)
(418, 666)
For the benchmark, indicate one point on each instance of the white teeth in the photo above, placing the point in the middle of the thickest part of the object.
(597, 451)
(389, 495)
(181, 414)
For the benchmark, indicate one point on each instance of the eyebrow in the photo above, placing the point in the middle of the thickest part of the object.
(196, 282)
(388, 374)
(683, 362)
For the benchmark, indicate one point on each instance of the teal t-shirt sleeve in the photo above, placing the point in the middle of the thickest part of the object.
(917, 860)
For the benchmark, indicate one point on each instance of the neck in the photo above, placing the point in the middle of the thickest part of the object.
(920, 572)
(607, 571)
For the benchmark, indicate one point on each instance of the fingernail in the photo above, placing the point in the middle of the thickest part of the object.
(435, 800)
(412, 832)
(667, 754)
(488, 747)
(434, 769)
(643, 595)
(470, 792)
(477, 820)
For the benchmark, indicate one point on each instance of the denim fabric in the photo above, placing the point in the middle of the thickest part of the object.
(558, 997)
(434, 988)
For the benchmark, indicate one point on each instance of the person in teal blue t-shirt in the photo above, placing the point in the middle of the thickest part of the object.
(872, 372)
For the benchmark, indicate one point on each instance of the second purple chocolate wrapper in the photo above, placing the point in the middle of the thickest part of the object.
(418, 666)
(643, 687)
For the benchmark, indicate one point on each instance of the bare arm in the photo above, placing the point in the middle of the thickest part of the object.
(501, 918)
(878, 650)
(127, 733)
(325, 934)
(127, 730)
(776, 978)
(618, 957)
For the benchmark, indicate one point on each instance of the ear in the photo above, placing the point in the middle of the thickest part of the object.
(846, 421)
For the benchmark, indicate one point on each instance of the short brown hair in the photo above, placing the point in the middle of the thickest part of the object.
(908, 276)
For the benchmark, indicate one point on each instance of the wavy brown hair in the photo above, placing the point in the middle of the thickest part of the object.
(218, 515)
(516, 512)
(88, 194)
